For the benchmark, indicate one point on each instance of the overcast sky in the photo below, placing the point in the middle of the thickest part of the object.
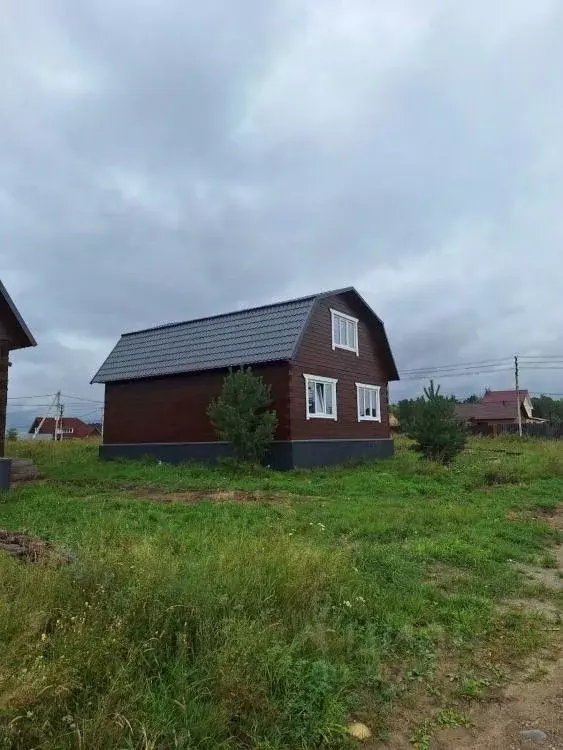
(164, 159)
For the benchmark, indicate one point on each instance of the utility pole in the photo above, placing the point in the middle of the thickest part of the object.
(58, 415)
(518, 407)
(41, 422)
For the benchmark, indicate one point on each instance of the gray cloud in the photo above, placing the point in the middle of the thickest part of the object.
(165, 160)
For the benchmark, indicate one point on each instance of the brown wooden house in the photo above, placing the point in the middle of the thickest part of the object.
(497, 410)
(326, 358)
(14, 334)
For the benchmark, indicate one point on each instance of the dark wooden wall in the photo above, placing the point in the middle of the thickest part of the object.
(317, 357)
(173, 409)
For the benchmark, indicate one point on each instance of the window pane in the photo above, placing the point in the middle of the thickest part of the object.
(349, 334)
(320, 396)
(353, 330)
(373, 412)
(342, 326)
(328, 392)
(311, 396)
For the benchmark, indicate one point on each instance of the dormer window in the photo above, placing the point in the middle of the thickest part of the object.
(344, 331)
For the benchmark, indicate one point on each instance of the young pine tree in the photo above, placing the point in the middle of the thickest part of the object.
(241, 416)
(438, 434)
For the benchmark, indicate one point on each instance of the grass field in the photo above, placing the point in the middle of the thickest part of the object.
(196, 617)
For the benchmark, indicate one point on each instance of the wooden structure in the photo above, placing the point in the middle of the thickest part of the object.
(14, 334)
(496, 411)
(326, 358)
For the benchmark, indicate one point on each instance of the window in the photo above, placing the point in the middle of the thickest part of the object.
(369, 407)
(344, 331)
(320, 394)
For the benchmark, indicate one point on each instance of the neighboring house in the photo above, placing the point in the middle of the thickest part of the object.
(68, 428)
(326, 358)
(14, 334)
(508, 398)
(495, 410)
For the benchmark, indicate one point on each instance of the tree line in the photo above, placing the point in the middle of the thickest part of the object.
(545, 407)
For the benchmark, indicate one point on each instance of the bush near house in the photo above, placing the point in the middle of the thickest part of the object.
(437, 433)
(241, 416)
(206, 610)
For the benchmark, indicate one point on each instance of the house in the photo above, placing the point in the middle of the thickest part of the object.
(495, 410)
(326, 358)
(68, 428)
(14, 334)
(508, 398)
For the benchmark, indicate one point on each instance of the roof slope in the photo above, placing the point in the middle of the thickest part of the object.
(481, 412)
(21, 336)
(270, 333)
(246, 337)
(504, 397)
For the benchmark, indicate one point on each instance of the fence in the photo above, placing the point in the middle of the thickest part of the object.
(547, 430)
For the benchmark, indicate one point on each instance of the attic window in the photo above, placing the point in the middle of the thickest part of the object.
(320, 396)
(344, 331)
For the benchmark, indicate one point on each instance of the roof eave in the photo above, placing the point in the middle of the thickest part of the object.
(104, 381)
(27, 335)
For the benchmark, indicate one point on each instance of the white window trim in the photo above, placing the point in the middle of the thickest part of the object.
(327, 381)
(377, 390)
(339, 314)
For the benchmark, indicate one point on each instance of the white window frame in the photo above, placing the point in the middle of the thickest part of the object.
(334, 315)
(326, 381)
(375, 389)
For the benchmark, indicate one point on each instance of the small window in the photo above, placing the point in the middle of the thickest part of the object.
(344, 331)
(369, 407)
(321, 397)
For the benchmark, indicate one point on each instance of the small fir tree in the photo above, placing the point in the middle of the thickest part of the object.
(438, 434)
(241, 415)
(12, 434)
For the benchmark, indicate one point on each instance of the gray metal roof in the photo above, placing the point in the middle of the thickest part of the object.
(246, 337)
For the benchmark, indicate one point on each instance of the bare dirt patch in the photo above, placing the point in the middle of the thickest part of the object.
(532, 701)
(30, 549)
(190, 497)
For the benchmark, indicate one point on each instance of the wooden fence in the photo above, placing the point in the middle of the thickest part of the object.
(547, 430)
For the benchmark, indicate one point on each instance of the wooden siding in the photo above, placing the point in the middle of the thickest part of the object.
(173, 409)
(317, 357)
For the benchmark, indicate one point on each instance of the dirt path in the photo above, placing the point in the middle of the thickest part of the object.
(534, 702)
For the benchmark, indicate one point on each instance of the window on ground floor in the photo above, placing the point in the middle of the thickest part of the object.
(369, 406)
(320, 394)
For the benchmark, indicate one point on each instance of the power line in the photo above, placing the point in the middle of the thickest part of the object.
(79, 398)
(541, 356)
(459, 365)
(454, 374)
(19, 398)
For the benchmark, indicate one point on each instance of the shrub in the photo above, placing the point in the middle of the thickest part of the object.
(240, 415)
(12, 434)
(437, 433)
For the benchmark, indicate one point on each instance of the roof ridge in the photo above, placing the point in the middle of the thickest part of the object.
(239, 312)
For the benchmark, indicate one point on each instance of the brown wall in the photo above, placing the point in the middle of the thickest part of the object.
(173, 409)
(317, 357)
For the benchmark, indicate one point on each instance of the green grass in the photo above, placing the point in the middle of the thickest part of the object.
(262, 624)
